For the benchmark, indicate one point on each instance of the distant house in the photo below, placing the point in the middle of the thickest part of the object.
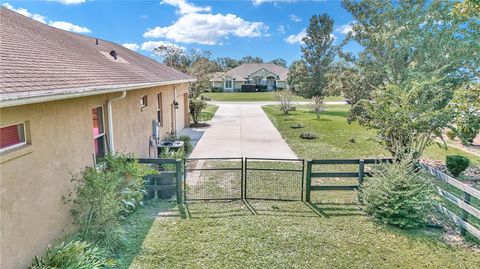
(251, 77)
(66, 100)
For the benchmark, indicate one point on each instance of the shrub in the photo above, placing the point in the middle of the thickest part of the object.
(308, 135)
(297, 126)
(451, 134)
(170, 154)
(104, 195)
(217, 89)
(456, 164)
(285, 98)
(205, 98)
(196, 107)
(397, 195)
(187, 143)
(73, 254)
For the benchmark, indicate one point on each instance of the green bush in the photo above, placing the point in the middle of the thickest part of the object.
(187, 143)
(104, 195)
(71, 255)
(456, 164)
(397, 195)
(217, 89)
(196, 107)
(308, 135)
(451, 134)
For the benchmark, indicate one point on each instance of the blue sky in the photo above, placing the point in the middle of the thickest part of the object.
(228, 28)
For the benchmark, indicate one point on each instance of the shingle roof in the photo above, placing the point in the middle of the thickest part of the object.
(244, 70)
(38, 60)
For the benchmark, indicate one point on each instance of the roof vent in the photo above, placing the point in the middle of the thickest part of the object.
(96, 41)
(113, 54)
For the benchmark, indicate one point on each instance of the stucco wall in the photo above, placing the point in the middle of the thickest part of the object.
(32, 184)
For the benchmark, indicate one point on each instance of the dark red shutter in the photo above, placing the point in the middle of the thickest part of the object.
(10, 136)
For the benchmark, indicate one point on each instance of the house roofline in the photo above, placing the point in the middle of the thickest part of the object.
(49, 95)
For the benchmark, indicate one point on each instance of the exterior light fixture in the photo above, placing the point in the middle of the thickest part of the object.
(175, 104)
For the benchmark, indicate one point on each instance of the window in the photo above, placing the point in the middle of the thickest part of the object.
(228, 84)
(144, 101)
(12, 136)
(98, 132)
(159, 109)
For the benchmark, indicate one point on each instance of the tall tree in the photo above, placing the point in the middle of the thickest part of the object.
(226, 63)
(280, 62)
(297, 76)
(250, 59)
(416, 53)
(318, 54)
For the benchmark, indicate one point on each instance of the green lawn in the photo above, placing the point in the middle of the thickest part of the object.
(255, 96)
(265, 234)
(335, 135)
(208, 112)
(332, 232)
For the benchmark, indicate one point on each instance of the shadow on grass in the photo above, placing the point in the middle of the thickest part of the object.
(137, 227)
(248, 208)
(330, 209)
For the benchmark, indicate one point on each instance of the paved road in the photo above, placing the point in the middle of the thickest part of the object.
(264, 103)
(241, 130)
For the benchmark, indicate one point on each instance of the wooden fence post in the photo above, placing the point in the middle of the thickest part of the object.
(361, 171)
(308, 182)
(466, 199)
(178, 170)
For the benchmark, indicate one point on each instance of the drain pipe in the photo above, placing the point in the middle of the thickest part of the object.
(111, 145)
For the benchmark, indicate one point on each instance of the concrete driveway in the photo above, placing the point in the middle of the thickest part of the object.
(241, 130)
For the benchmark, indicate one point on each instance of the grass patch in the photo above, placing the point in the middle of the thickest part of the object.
(335, 136)
(263, 234)
(256, 97)
(208, 113)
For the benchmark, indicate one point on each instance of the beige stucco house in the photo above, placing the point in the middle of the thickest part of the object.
(66, 99)
(251, 77)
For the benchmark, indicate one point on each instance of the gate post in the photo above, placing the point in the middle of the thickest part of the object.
(242, 179)
(178, 177)
(308, 182)
(361, 171)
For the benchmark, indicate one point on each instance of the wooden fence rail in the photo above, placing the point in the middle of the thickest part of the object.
(462, 203)
(360, 174)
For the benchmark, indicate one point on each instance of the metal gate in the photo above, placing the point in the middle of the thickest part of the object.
(243, 178)
(274, 179)
(213, 179)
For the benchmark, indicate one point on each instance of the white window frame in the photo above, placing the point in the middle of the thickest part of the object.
(142, 103)
(18, 144)
(225, 84)
(95, 137)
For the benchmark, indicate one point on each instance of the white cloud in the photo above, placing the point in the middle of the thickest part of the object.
(57, 24)
(281, 29)
(208, 29)
(346, 28)
(186, 8)
(69, 27)
(150, 45)
(295, 18)
(144, 16)
(26, 13)
(297, 38)
(259, 2)
(69, 2)
(131, 46)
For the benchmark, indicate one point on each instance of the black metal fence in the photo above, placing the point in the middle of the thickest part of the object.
(213, 178)
(274, 179)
